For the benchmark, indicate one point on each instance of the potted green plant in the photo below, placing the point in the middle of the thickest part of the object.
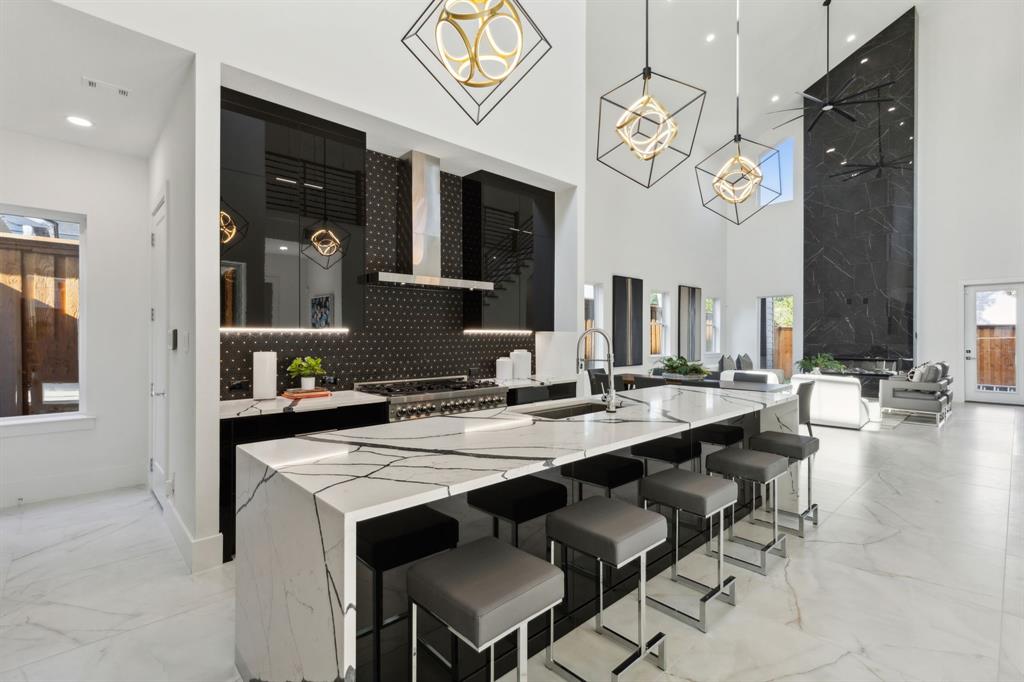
(815, 363)
(306, 369)
(679, 365)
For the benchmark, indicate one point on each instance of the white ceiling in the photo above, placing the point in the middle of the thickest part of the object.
(782, 51)
(46, 49)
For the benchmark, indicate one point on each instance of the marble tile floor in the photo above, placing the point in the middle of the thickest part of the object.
(915, 573)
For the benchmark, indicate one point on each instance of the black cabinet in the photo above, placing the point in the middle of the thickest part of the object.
(508, 238)
(627, 320)
(285, 177)
(241, 430)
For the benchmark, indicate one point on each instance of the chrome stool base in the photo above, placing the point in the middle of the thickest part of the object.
(724, 590)
(641, 648)
(777, 545)
(809, 514)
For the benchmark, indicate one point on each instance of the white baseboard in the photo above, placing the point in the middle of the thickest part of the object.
(199, 553)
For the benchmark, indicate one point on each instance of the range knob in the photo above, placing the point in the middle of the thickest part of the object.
(400, 412)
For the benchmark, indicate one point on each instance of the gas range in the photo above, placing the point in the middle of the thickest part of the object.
(416, 398)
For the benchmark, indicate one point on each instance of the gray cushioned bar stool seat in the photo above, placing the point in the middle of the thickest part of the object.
(483, 591)
(705, 497)
(612, 532)
(796, 448)
(760, 468)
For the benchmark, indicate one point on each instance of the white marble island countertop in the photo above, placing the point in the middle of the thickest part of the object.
(250, 407)
(374, 470)
(299, 501)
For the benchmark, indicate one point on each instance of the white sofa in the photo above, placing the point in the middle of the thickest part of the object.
(771, 374)
(836, 401)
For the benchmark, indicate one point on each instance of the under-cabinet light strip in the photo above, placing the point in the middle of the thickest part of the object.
(283, 330)
(497, 331)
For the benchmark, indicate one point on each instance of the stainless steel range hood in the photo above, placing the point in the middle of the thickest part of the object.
(419, 229)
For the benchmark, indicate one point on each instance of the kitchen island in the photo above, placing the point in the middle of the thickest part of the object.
(298, 501)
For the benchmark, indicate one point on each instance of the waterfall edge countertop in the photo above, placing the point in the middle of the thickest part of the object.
(299, 500)
(250, 407)
(374, 470)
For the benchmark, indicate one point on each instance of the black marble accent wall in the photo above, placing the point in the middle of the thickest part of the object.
(859, 231)
(407, 332)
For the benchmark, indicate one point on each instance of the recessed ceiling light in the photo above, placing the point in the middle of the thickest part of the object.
(710, 38)
(864, 61)
(830, 150)
(902, 122)
(79, 121)
(775, 98)
(850, 38)
(842, 163)
(911, 137)
(283, 248)
(892, 108)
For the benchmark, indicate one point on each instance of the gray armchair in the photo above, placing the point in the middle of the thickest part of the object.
(927, 393)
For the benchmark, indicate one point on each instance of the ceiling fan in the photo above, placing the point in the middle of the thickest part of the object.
(832, 103)
(852, 170)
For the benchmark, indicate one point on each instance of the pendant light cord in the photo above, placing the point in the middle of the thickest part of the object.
(647, 36)
(737, 71)
(828, 48)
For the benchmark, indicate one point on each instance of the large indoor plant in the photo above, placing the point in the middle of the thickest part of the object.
(677, 364)
(307, 369)
(816, 363)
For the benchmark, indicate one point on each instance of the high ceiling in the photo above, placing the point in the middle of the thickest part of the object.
(47, 49)
(782, 52)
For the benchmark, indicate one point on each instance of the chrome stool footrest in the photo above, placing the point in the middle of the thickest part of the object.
(653, 647)
(777, 545)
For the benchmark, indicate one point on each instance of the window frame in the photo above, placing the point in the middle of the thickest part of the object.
(72, 420)
(666, 324)
(716, 324)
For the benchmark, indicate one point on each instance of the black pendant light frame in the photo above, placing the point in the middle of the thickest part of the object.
(853, 170)
(767, 157)
(833, 104)
(311, 227)
(477, 103)
(614, 153)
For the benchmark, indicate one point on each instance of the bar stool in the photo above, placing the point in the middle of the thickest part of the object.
(483, 591)
(518, 501)
(605, 471)
(719, 434)
(705, 497)
(760, 468)
(394, 540)
(672, 449)
(616, 533)
(795, 448)
(645, 381)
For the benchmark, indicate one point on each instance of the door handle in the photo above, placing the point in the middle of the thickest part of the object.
(157, 394)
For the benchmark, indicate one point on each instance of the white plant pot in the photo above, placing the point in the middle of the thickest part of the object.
(308, 383)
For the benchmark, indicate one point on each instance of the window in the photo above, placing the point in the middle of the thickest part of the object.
(776, 333)
(712, 326)
(659, 324)
(785, 167)
(39, 313)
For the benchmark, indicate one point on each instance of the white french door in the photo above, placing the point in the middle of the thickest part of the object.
(158, 353)
(993, 352)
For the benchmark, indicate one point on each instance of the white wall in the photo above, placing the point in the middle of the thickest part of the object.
(970, 105)
(970, 142)
(766, 258)
(110, 450)
(661, 235)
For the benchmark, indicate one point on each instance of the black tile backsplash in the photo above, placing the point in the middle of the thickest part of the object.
(407, 332)
(859, 233)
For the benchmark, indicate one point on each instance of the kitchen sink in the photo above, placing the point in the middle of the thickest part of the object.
(566, 411)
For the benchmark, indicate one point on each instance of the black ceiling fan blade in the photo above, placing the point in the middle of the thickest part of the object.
(782, 111)
(815, 121)
(811, 97)
(795, 118)
(867, 90)
(837, 97)
(847, 103)
(844, 114)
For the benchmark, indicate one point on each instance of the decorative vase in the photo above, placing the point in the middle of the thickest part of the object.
(308, 383)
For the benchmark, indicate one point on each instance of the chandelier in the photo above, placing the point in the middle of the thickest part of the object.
(742, 176)
(233, 226)
(655, 122)
(477, 50)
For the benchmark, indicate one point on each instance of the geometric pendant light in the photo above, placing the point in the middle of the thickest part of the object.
(477, 50)
(325, 242)
(647, 125)
(742, 176)
(233, 227)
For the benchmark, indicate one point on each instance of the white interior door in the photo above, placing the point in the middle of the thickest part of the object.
(993, 353)
(158, 355)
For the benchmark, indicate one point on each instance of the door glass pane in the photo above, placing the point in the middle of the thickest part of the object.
(996, 334)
